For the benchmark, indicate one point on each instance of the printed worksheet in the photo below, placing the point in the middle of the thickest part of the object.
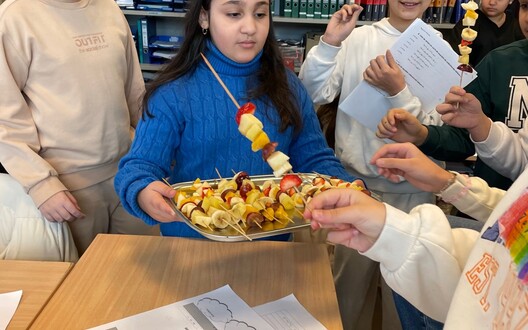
(429, 65)
(221, 309)
(218, 309)
(288, 313)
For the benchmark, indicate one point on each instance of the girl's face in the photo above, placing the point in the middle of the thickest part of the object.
(238, 28)
(523, 17)
(403, 12)
(494, 8)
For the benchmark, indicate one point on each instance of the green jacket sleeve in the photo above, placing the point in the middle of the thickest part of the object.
(448, 143)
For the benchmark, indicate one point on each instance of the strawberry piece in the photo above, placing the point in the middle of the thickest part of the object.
(465, 42)
(289, 181)
(246, 108)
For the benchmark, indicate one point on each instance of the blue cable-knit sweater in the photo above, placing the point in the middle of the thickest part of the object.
(194, 131)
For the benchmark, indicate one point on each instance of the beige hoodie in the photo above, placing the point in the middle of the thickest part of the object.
(70, 85)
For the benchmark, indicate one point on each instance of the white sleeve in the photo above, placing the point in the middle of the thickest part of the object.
(504, 150)
(407, 101)
(322, 71)
(422, 243)
(473, 196)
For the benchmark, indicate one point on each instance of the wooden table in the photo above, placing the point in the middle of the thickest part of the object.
(122, 275)
(37, 279)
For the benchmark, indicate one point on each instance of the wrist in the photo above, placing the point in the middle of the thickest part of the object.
(423, 132)
(480, 132)
(448, 178)
(330, 40)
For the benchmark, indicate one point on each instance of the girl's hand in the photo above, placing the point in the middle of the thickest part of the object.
(462, 109)
(385, 74)
(152, 202)
(354, 219)
(341, 24)
(61, 207)
(405, 160)
(401, 126)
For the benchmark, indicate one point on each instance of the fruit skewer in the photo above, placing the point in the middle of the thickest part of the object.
(468, 35)
(252, 128)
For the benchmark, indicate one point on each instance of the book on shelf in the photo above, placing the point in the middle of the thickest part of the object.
(375, 8)
(303, 8)
(427, 16)
(438, 11)
(318, 4)
(287, 8)
(332, 7)
(382, 9)
(367, 9)
(325, 9)
(146, 30)
(459, 11)
(310, 9)
(275, 7)
(448, 17)
(295, 8)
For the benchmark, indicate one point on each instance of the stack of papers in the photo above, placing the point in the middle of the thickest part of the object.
(221, 309)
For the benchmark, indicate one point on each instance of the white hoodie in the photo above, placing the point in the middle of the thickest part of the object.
(328, 71)
(457, 276)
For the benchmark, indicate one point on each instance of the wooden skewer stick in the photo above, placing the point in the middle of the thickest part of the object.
(233, 215)
(302, 215)
(240, 231)
(461, 75)
(220, 81)
(167, 183)
(218, 173)
(290, 219)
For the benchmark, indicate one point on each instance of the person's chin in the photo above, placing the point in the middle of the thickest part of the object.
(245, 56)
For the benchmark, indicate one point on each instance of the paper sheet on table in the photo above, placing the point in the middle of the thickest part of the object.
(429, 65)
(288, 313)
(8, 305)
(218, 309)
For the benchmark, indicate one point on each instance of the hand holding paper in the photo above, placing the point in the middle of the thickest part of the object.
(429, 66)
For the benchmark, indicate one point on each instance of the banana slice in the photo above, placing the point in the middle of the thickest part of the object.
(469, 34)
(470, 5)
(464, 50)
(220, 219)
(468, 21)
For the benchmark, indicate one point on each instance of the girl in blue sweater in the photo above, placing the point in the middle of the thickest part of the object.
(188, 127)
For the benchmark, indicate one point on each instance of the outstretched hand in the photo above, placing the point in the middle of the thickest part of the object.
(341, 24)
(151, 200)
(398, 160)
(401, 126)
(61, 207)
(354, 219)
(385, 74)
(462, 109)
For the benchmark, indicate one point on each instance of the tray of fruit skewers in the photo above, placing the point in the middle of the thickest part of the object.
(246, 208)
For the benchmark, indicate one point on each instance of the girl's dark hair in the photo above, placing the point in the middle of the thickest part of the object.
(272, 77)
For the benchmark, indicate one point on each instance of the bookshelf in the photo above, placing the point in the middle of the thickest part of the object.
(171, 23)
